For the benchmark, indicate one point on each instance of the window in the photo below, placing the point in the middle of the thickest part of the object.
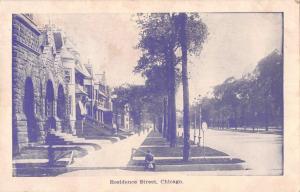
(89, 90)
(67, 75)
(70, 106)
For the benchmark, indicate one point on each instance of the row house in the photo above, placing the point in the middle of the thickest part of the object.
(99, 105)
(90, 104)
(39, 93)
(52, 90)
(102, 103)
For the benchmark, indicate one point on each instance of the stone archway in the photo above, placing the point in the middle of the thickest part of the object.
(29, 111)
(49, 106)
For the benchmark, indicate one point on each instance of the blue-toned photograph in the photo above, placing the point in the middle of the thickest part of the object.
(147, 93)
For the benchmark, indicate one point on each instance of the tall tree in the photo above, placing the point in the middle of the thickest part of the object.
(191, 34)
(158, 45)
(157, 83)
(161, 35)
(181, 23)
(269, 74)
(255, 100)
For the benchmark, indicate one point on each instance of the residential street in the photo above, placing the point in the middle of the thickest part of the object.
(262, 152)
(75, 111)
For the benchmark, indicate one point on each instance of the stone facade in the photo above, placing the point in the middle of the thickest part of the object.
(70, 57)
(38, 83)
(50, 84)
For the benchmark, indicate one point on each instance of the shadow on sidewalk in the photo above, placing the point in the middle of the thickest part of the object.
(250, 130)
(167, 158)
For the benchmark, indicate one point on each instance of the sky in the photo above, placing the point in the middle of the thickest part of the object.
(236, 42)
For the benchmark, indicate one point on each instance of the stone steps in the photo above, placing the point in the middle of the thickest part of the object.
(62, 145)
(95, 137)
(41, 151)
(54, 139)
(74, 139)
(91, 128)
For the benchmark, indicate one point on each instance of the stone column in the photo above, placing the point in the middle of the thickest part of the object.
(57, 120)
(20, 132)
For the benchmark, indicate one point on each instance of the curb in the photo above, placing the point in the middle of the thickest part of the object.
(194, 167)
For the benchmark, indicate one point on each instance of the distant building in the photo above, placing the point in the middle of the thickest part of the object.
(103, 103)
(122, 119)
(125, 122)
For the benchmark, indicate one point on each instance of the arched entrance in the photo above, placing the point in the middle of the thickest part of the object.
(61, 102)
(61, 106)
(28, 108)
(49, 106)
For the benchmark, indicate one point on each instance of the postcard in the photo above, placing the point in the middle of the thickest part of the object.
(150, 95)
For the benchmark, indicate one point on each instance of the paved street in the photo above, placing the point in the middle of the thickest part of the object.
(262, 152)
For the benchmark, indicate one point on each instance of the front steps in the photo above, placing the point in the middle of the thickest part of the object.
(64, 147)
(34, 159)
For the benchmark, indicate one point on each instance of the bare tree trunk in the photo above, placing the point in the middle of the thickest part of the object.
(185, 84)
(266, 117)
(172, 102)
(159, 122)
(266, 112)
(154, 124)
(235, 118)
(170, 59)
(165, 119)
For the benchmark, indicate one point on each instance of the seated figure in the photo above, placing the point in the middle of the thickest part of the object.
(149, 161)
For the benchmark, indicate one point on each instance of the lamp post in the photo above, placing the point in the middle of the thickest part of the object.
(115, 106)
(200, 119)
(195, 124)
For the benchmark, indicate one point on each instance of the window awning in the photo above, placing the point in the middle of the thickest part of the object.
(82, 70)
(102, 108)
(79, 90)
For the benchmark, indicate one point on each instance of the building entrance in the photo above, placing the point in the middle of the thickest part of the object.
(28, 108)
(49, 108)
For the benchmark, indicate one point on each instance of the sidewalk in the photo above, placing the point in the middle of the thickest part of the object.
(116, 159)
(114, 155)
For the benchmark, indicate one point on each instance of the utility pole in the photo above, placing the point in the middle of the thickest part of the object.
(200, 122)
(195, 126)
